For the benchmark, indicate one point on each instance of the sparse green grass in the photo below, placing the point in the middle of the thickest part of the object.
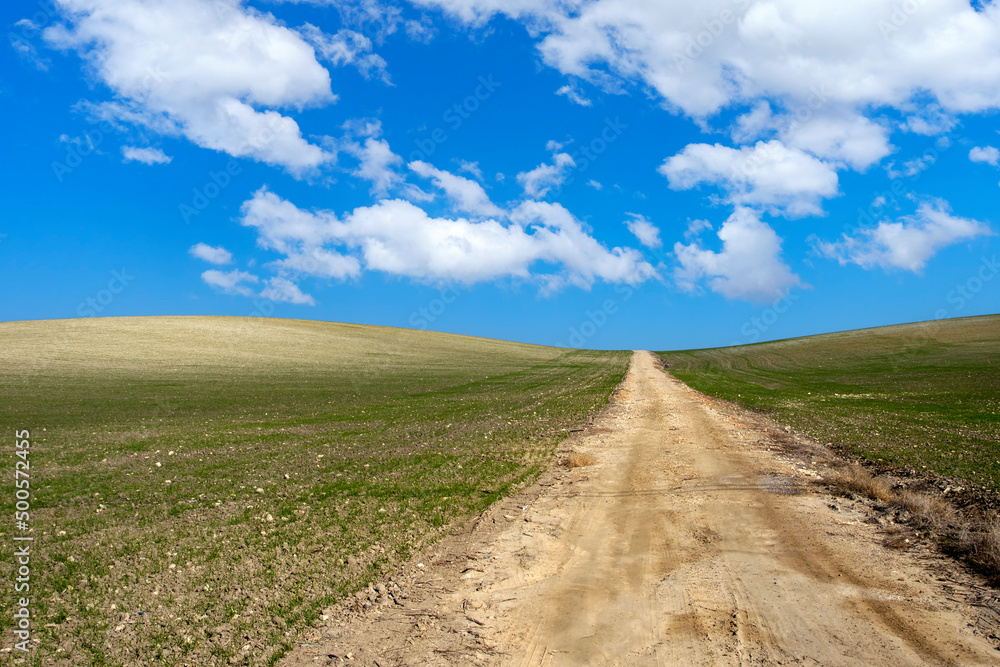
(923, 395)
(363, 441)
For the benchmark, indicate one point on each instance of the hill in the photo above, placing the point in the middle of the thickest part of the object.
(202, 487)
(924, 396)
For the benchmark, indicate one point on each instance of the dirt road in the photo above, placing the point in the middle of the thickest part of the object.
(692, 540)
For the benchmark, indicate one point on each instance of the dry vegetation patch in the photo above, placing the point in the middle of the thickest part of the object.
(579, 460)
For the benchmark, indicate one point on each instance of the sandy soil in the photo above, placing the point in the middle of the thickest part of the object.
(698, 537)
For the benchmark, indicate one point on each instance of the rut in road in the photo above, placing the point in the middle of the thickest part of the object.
(688, 542)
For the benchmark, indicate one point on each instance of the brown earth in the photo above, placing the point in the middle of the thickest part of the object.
(698, 536)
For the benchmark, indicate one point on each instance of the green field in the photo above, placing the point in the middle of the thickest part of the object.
(203, 487)
(924, 395)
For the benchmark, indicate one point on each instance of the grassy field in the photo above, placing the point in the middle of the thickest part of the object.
(203, 487)
(924, 395)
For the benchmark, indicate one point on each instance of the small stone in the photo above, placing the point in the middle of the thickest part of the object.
(259, 490)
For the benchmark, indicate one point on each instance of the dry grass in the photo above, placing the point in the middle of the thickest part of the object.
(972, 537)
(579, 460)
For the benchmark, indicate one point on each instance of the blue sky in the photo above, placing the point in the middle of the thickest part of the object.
(608, 173)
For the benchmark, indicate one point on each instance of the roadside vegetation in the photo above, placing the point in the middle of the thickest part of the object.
(923, 395)
(203, 487)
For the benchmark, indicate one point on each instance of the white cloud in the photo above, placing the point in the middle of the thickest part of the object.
(574, 96)
(299, 235)
(757, 123)
(930, 120)
(906, 243)
(647, 233)
(231, 282)
(282, 289)
(420, 31)
(211, 71)
(777, 49)
(911, 167)
(347, 47)
(24, 47)
(840, 137)
(595, 184)
(749, 266)
(539, 181)
(987, 154)
(471, 168)
(695, 228)
(211, 254)
(399, 238)
(821, 76)
(769, 175)
(466, 196)
(145, 155)
(377, 165)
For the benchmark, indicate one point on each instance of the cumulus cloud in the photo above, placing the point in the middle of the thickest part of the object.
(377, 164)
(299, 235)
(213, 72)
(768, 174)
(647, 233)
(701, 58)
(821, 77)
(231, 282)
(399, 238)
(907, 243)
(987, 154)
(211, 254)
(466, 196)
(847, 138)
(145, 155)
(539, 181)
(749, 266)
(282, 289)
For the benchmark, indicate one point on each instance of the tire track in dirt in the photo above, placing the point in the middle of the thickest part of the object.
(686, 543)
